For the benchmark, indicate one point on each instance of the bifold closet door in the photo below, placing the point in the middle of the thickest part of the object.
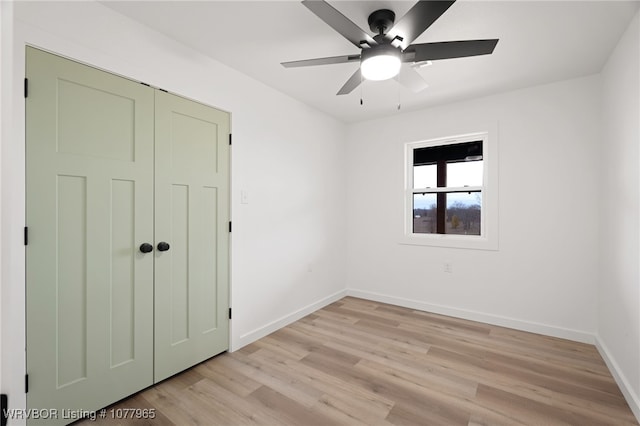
(127, 213)
(89, 194)
(191, 217)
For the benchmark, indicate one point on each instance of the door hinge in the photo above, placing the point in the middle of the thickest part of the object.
(26, 87)
(4, 406)
(229, 226)
(26, 235)
(26, 383)
(230, 138)
(229, 313)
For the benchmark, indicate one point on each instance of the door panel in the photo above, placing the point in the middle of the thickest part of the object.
(209, 232)
(89, 173)
(178, 261)
(122, 278)
(192, 214)
(94, 136)
(71, 280)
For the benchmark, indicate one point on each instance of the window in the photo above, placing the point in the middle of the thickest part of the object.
(446, 193)
(447, 189)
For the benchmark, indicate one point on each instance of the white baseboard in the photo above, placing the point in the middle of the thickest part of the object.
(533, 327)
(633, 399)
(275, 325)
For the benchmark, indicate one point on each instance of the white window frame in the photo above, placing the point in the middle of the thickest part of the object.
(488, 238)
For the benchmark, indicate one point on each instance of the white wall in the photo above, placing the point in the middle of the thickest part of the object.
(287, 244)
(6, 25)
(619, 201)
(10, 355)
(543, 277)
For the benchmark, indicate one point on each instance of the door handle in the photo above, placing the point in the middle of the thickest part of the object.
(163, 246)
(146, 248)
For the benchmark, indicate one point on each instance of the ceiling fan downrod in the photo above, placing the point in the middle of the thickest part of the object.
(380, 21)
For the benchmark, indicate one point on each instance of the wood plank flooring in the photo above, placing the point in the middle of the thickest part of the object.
(357, 362)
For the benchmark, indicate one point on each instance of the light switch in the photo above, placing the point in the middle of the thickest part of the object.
(244, 197)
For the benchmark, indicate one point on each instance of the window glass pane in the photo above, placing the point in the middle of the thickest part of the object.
(464, 173)
(424, 213)
(463, 213)
(425, 176)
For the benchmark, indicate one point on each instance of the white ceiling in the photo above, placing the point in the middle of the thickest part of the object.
(540, 42)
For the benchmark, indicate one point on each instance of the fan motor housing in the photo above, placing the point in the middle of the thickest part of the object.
(381, 20)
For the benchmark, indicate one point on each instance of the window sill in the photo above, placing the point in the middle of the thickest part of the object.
(450, 241)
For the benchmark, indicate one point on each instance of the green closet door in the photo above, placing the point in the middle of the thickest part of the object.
(191, 216)
(89, 174)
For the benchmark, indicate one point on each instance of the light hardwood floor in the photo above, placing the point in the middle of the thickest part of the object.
(357, 362)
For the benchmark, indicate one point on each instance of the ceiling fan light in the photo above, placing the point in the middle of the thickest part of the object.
(381, 67)
(380, 63)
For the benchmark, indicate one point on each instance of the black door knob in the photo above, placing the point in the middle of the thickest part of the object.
(146, 248)
(162, 246)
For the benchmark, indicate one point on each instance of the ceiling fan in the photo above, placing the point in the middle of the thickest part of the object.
(382, 55)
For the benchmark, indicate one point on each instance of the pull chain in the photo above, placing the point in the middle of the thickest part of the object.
(398, 84)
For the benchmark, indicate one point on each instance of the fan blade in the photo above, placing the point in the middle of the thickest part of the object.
(451, 49)
(353, 82)
(417, 20)
(321, 61)
(410, 79)
(339, 22)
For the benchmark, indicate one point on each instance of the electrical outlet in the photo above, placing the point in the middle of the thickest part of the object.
(448, 267)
